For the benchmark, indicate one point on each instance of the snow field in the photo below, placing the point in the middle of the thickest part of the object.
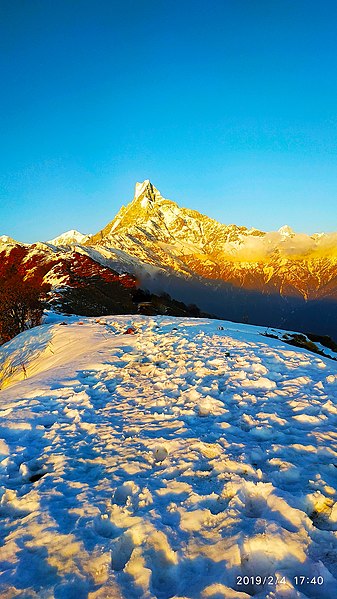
(169, 463)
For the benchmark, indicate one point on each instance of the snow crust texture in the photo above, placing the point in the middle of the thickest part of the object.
(168, 463)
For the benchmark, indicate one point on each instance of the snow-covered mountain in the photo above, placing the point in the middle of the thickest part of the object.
(159, 232)
(185, 460)
(278, 278)
(167, 232)
(85, 281)
(78, 282)
(6, 240)
(69, 238)
(283, 278)
(286, 231)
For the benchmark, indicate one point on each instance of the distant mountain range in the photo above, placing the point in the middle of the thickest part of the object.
(281, 278)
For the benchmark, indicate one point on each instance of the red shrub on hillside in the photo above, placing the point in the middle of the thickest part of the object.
(21, 303)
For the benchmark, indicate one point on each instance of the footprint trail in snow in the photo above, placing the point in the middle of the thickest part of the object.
(176, 462)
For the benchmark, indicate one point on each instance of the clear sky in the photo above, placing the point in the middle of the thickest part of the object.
(228, 106)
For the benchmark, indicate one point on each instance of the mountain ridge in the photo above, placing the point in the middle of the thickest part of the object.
(69, 238)
(147, 205)
(158, 231)
(278, 278)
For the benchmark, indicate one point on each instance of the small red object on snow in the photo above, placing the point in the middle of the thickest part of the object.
(130, 331)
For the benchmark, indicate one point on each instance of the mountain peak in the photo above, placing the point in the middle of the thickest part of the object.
(69, 238)
(150, 217)
(146, 193)
(5, 239)
(286, 231)
(141, 187)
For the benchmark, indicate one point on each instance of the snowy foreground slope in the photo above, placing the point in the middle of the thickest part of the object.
(178, 462)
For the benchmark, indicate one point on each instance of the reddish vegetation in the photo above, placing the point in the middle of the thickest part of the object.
(73, 271)
(80, 284)
(21, 304)
(81, 268)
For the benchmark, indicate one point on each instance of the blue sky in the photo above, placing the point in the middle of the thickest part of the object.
(228, 106)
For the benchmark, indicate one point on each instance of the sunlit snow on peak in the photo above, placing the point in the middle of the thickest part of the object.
(69, 237)
(5, 239)
(286, 231)
(147, 190)
(140, 188)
